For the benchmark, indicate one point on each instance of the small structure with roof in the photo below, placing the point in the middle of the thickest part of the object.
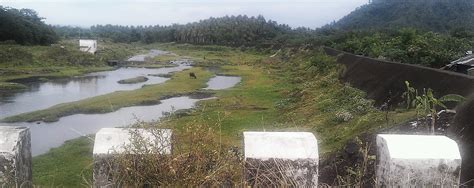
(87, 45)
(463, 65)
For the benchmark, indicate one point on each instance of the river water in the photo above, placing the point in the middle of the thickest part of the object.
(42, 95)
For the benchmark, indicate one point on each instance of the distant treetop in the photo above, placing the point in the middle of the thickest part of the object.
(24, 26)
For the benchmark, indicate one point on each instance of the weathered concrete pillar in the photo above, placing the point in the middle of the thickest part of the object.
(111, 142)
(281, 159)
(417, 161)
(15, 157)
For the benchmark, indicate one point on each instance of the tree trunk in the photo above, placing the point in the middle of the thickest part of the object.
(433, 122)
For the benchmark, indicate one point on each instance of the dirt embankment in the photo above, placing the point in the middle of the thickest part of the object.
(383, 80)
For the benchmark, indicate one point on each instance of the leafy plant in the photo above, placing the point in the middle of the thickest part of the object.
(409, 94)
(427, 103)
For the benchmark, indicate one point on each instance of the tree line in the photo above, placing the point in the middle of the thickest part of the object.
(228, 30)
(24, 26)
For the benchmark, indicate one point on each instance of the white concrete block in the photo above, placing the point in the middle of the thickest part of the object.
(417, 161)
(110, 142)
(288, 158)
(15, 156)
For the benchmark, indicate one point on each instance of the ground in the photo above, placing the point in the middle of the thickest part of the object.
(298, 90)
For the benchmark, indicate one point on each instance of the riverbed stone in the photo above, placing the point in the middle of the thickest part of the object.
(113, 142)
(281, 159)
(15, 157)
(417, 161)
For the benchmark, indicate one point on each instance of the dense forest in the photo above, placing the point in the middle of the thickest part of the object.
(428, 15)
(24, 26)
(228, 30)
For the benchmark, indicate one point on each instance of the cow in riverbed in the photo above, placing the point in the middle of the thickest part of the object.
(192, 75)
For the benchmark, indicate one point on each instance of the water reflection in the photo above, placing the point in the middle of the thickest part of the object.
(50, 135)
(222, 82)
(150, 54)
(41, 95)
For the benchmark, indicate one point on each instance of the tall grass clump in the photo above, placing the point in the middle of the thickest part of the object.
(198, 158)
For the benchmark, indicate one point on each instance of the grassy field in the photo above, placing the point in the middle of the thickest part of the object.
(294, 91)
(67, 166)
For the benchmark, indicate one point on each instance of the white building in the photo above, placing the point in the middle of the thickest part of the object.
(88, 46)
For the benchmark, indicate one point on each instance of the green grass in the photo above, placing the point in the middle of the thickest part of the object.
(317, 101)
(180, 83)
(247, 106)
(65, 166)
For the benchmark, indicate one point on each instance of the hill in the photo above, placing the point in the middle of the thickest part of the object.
(431, 15)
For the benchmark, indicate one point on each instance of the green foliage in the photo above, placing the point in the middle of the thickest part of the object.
(452, 98)
(25, 27)
(405, 45)
(427, 103)
(409, 95)
(321, 64)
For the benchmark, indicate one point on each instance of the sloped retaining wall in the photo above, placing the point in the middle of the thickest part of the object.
(383, 80)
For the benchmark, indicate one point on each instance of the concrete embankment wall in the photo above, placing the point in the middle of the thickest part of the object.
(383, 80)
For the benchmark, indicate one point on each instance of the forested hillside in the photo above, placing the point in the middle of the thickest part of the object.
(24, 26)
(429, 15)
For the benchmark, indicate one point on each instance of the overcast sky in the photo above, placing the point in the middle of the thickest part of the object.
(308, 13)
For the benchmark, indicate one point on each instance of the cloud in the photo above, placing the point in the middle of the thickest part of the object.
(308, 13)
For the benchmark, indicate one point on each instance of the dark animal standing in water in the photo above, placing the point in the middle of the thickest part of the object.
(192, 75)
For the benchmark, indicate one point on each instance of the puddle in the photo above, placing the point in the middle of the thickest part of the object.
(222, 82)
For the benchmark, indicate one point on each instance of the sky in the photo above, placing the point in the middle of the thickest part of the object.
(84, 13)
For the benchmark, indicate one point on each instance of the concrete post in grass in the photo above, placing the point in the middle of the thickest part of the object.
(112, 142)
(417, 161)
(281, 159)
(15, 157)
